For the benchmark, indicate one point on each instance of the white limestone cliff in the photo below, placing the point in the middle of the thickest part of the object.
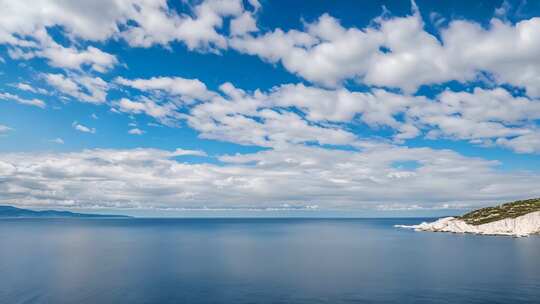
(524, 225)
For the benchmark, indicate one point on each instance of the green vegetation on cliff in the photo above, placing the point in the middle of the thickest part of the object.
(508, 210)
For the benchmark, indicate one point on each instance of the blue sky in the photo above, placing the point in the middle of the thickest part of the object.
(328, 107)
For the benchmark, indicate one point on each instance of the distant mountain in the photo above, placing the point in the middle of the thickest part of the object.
(10, 211)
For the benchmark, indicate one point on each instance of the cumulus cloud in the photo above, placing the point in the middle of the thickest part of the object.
(398, 52)
(480, 114)
(300, 176)
(529, 143)
(198, 31)
(139, 22)
(296, 113)
(253, 119)
(243, 24)
(187, 89)
(81, 87)
(163, 112)
(392, 51)
(325, 53)
(72, 58)
(57, 55)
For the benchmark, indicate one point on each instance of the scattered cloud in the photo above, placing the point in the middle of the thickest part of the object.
(57, 140)
(139, 23)
(29, 102)
(243, 24)
(72, 58)
(27, 87)
(80, 87)
(165, 113)
(187, 90)
(82, 128)
(136, 131)
(296, 113)
(4, 129)
(528, 143)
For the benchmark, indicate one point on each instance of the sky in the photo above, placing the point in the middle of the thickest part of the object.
(168, 108)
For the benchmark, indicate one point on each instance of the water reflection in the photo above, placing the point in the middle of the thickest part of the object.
(259, 260)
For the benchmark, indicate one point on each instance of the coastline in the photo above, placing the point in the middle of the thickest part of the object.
(521, 226)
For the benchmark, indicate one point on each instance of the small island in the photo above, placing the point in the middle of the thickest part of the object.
(519, 218)
(14, 212)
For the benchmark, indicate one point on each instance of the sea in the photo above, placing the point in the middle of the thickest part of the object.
(274, 260)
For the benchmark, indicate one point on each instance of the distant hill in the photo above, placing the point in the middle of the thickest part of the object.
(504, 211)
(519, 218)
(10, 211)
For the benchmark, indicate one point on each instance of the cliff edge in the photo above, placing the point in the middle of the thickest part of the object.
(519, 218)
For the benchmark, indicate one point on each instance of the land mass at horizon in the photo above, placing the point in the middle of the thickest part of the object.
(519, 218)
(14, 212)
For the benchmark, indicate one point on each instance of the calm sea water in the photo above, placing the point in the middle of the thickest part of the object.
(259, 261)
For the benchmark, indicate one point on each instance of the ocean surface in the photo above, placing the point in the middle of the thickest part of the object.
(259, 261)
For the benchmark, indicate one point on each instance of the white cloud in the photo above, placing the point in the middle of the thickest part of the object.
(299, 176)
(136, 131)
(72, 58)
(243, 24)
(248, 119)
(82, 128)
(30, 102)
(63, 57)
(398, 52)
(290, 120)
(528, 143)
(480, 114)
(165, 113)
(295, 113)
(62, 83)
(185, 152)
(27, 87)
(252, 118)
(81, 87)
(157, 24)
(255, 4)
(57, 140)
(4, 129)
(187, 89)
(390, 51)
(139, 22)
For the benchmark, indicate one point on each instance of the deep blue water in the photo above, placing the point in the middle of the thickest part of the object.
(259, 261)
